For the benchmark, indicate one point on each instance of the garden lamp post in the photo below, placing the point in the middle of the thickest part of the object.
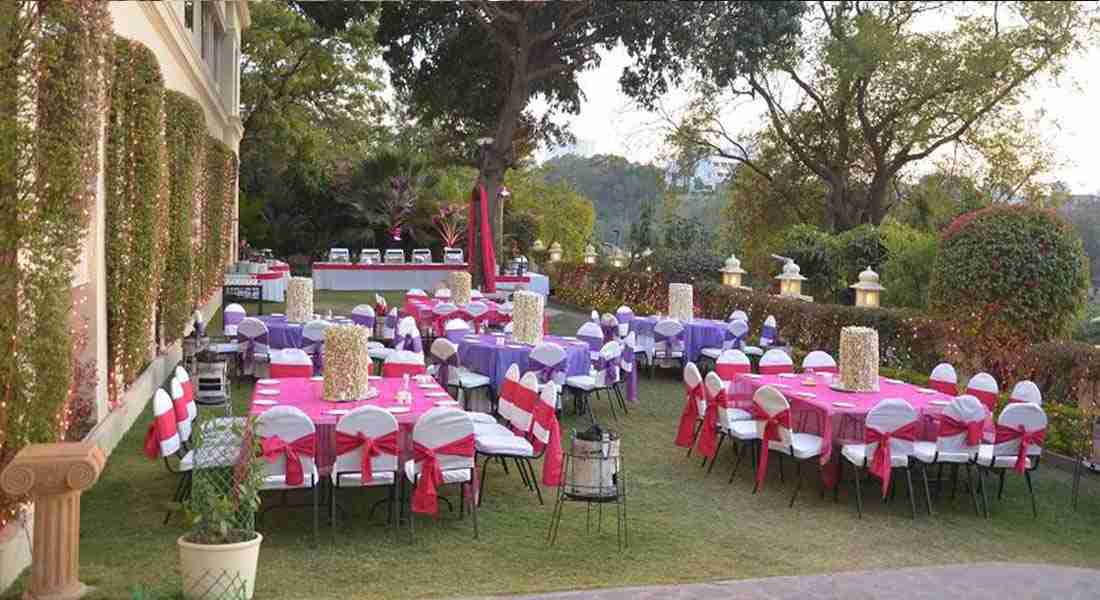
(538, 246)
(868, 290)
(790, 280)
(555, 252)
(732, 273)
(589, 254)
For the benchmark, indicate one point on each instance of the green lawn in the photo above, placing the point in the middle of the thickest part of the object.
(683, 527)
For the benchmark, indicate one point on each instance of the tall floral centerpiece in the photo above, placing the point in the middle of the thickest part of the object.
(527, 312)
(450, 223)
(299, 300)
(347, 363)
(680, 301)
(460, 283)
(859, 359)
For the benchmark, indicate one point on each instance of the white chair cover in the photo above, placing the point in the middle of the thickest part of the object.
(290, 424)
(184, 408)
(164, 426)
(776, 361)
(944, 379)
(291, 362)
(818, 361)
(1027, 391)
(731, 363)
(373, 422)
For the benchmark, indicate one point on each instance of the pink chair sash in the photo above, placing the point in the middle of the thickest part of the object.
(426, 498)
(547, 418)
(771, 432)
(882, 462)
(1027, 438)
(273, 447)
(690, 414)
(372, 447)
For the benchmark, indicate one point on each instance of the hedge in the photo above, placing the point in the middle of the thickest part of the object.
(185, 128)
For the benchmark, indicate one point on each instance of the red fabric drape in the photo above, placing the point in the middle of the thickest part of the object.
(950, 426)
(162, 428)
(882, 462)
(771, 432)
(689, 416)
(1027, 438)
(425, 498)
(274, 446)
(372, 447)
(480, 220)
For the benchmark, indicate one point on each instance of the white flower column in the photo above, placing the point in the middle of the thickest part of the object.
(460, 283)
(299, 300)
(527, 314)
(859, 359)
(681, 304)
(347, 363)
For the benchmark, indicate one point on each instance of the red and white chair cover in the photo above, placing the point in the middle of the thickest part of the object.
(984, 387)
(443, 453)
(524, 397)
(366, 443)
(403, 362)
(313, 341)
(771, 414)
(944, 379)
(162, 438)
(1026, 391)
(506, 406)
(718, 418)
(416, 293)
(289, 444)
(231, 318)
(442, 312)
(478, 313)
(1020, 432)
(819, 362)
(546, 437)
(695, 405)
(542, 440)
(184, 407)
(959, 434)
(252, 335)
(291, 362)
(731, 363)
(456, 329)
(893, 421)
(776, 361)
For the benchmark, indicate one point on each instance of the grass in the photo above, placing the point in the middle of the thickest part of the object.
(683, 526)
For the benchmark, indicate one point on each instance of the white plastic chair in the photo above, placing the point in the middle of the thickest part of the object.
(731, 363)
(886, 417)
(944, 379)
(436, 428)
(163, 441)
(728, 416)
(768, 334)
(519, 446)
(693, 393)
(408, 336)
(548, 355)
(800, 446)
(313, 337)
(734, 330)
(466, 381)
(957, 442)
(376, 424)
(600, 379)
(290, 424)
(984, 387)
(819, 362)
(776, 361)
(255, 332)
(1017, 418)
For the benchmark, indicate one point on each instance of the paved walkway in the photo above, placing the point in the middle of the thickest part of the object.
(985, 581)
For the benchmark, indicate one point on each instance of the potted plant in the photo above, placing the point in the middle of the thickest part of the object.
(218, 556)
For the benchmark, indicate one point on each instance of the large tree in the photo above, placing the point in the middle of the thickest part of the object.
(874, 87)
(469, 70)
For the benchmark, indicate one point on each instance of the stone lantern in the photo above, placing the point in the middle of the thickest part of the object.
(732, 272)
(617, 259)
(590, 255)
(555, 252)
(538, 246)
(790, 280)
(868, 290)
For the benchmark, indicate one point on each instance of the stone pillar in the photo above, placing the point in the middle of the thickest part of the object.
(54, 475)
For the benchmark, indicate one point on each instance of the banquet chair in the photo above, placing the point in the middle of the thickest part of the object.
(627, 386)
(718, 407)
(389, 325)
(364, 316)
(185, 398)
(771, 414)
(515, 408)
(475, 294)
(895, 421)
(734, 338)
(769, 334)
(450, 375)
(183, 405)
(1026, 391)
(695, 406)
(162, 440)
(668, 348)
(594, 316)
(252, 336)
(738, 315)
(288, 442)
(548, 361)
(731, 363)
(415, 293)
(609, 323)
(775, 361)
(591, 333)
(313, 341)
(408, 336)
(509, 328)
(478, 312)
(1018, 446)
(625, 315)
(371, 430)
(291, 362)
(231, 318)
(984, 387)
(819, 362)
(519, 445)
(444, 443)
(601, 378)
(442, 294)
(944, 380)
(957, 441)
(401, 362)
(441, 313)
(456, 329)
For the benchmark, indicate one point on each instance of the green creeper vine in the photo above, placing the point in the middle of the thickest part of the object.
(220, 180)
(184, 133)
(55, 60)
(135, 189)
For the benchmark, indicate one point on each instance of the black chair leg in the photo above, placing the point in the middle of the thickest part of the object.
(1001, 486)
(973, 490)
(721, 438)
(534, 479)
(484, 476)
(781, 469)
(927, 490)
(694, 436)
(859, 493)
(740, 453)
(985, 497)
(912, 497)
(1030, 490)
(798, 484)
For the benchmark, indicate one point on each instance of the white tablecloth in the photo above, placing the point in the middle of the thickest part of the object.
(329, 276)
(274, 287)
(536, 282)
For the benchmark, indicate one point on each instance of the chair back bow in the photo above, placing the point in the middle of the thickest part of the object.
(708, 435)
(426, 498)
(772, 423)
(162, 428)
(688, 417)
(272, 447)
(443, 375)
(546, 418)
(882, 461)
(248, 348)
(610, 369)
(372, 447)
(950, 426)
(363, 320)
(1004, 433)
(409, 342)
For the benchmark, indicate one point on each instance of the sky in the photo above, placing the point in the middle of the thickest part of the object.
(609, 123)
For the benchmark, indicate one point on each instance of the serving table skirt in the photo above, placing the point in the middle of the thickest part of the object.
(698, 334)
(344, 276)
(305, 394)
(482, 354)
(838, 425)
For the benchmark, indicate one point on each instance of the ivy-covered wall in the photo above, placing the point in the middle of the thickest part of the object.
(135, 184)
(55, 60)
(220, 182)
(185, 136)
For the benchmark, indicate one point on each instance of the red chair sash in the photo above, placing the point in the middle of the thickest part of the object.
(274, 446)
(547, 418)
(188, 391)
(950, 426)
(399, 369)
(179, 407)
(771, 432)
(162, 428)
(882, 462)
(508, 389)
(944, 387)
(708, 435)
(685, 433)
(1003, 434)
(372, 447)
(426, 498)
(989, 399)
(822, 369)
(776, 369)
(729, 371)
(525, 399)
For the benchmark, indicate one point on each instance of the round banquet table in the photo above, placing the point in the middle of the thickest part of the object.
(305, 394)
(698, 334)
(282, 333)
(484, 354)
(815, 409)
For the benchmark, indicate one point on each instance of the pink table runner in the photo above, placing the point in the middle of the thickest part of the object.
(305, 394)
(839, 424)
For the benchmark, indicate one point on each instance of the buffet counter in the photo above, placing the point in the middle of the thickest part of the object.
(377, 276)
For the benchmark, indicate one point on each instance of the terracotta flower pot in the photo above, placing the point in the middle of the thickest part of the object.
(219, 570)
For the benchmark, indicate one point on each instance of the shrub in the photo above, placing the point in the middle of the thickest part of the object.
(1087, 330)
(857, 249)
(1005, 277)
(815, 252)
(907, 270)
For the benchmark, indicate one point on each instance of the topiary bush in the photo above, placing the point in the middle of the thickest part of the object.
(1008, 276)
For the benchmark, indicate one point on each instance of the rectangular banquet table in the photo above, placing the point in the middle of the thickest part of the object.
(483, 354)
(536, 282)
(306, 394)
(377, 276)
(421, 310)
(814, 408)
(698, 334)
